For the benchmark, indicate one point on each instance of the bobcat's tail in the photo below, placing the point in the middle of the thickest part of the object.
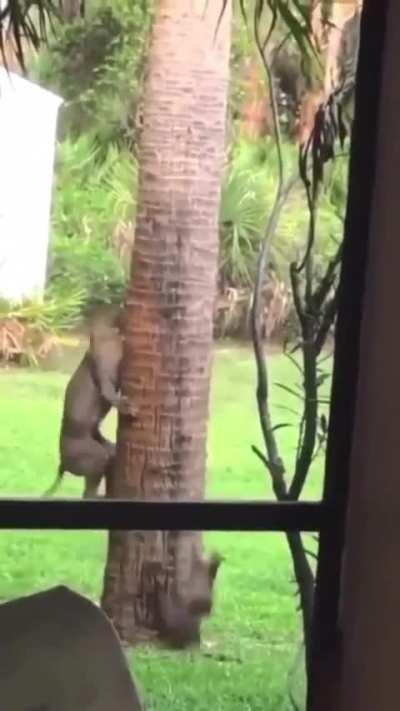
(57, 482)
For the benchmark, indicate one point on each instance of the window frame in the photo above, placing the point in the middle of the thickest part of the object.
(125, 515)
(327, 516)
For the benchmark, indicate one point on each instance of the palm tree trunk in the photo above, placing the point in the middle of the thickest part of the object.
(72, 9)
(328, 38)
(342, 13)
(170, 303)
(314, 94)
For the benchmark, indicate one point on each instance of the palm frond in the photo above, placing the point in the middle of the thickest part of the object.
(25, 23)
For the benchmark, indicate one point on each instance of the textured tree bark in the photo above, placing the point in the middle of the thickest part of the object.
(342, 13)
(329, 39)
(170, 303)
(72, 9)
(314, 94)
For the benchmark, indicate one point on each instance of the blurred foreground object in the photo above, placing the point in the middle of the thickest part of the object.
(59, 652)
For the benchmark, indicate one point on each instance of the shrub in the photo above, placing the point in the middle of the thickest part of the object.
(96, 66)
(31, 329)
(247, 196)
(94, 197)
(89, 265)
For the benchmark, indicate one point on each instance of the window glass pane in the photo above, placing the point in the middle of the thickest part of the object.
(250, 656)
(196, 160)
(234, 470)
(31, 410)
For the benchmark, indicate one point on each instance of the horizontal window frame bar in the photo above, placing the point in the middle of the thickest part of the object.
(128, 515)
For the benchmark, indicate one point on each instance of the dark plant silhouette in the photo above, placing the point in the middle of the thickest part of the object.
(315, 302)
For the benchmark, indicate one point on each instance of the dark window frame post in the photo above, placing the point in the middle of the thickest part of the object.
(324, 680)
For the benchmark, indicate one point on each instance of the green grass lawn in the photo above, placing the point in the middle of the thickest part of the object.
(255, 624)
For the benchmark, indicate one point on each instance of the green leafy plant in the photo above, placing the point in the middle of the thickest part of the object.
(29, 330)
(246, 199)
(93, 191)
(242, 216)
(89, 265)
(96, 65)
(94, 197)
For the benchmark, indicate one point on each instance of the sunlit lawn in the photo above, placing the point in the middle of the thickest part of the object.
(255, 628)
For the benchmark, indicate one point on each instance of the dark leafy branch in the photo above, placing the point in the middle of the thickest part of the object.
(327, 322)
(272, 459)
(315, 302)
(328, 280)
(315, 308)
(25, 22)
